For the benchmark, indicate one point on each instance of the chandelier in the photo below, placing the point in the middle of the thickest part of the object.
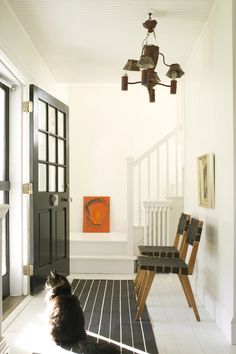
(147, 65)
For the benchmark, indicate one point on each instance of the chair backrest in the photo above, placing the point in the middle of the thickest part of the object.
(193, 238)
(194, 231)
(182, 227)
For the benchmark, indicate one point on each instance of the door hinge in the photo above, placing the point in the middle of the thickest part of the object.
(28, 269)
(28, 188)
(28, 106)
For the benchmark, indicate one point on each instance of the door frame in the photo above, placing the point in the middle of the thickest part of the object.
(6, 190)
(19, 174)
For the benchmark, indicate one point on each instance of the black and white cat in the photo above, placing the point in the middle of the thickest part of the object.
(66, 319)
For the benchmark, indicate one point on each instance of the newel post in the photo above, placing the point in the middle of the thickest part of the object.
(130, 207)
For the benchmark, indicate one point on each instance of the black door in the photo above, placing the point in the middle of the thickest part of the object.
(49, 173)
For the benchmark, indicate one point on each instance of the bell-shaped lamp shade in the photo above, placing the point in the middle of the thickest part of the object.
(151, 51)
(175, 72)
(156, 78)
(146, 62)
(131, 65)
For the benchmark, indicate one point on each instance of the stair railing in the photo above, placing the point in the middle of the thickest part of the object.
(155, 175)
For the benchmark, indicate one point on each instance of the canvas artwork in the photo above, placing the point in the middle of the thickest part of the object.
(96, 215)
(206, 181)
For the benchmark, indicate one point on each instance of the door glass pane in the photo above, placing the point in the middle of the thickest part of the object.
(61, 150)
(42, 146)
(52, 149)
(52, 179)
(42, 177)
(42, 115)
(2, 134)
(52, 120)
(60, 123)
(61, 179)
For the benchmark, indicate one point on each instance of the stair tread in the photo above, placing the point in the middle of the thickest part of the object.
(115, 257)
(98, 237)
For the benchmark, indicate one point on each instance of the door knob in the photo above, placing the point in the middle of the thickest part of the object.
(66, 199)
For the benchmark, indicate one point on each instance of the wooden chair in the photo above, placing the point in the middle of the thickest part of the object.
(179, 247)
(150, 265)
(169, 251)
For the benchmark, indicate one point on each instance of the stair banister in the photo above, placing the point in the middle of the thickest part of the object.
(172, 162)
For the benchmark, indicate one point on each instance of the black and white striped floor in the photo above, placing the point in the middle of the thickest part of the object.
(109, 309)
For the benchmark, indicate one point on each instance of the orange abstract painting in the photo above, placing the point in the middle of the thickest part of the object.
(96, 217)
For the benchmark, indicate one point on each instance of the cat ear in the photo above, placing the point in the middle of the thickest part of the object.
(53, 272)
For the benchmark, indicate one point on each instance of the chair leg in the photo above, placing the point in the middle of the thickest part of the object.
(143, 294)
(137, 278)
(190, 295)
(141, 284)
(138, 281)
(184, 289)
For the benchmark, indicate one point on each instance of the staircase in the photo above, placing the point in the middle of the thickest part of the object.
(100, 253)
(154, 179)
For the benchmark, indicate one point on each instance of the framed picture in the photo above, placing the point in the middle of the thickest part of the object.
(206, 180)
(96, 215)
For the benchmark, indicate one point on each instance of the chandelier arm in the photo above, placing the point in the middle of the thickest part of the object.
(163, 58)
(135, 82)
(158, 83)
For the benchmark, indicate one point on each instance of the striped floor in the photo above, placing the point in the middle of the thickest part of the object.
(109, 308)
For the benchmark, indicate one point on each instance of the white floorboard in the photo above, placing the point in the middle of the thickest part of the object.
(174, 324)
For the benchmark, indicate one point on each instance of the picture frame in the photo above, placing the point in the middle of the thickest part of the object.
(206, 180)
(96, 214)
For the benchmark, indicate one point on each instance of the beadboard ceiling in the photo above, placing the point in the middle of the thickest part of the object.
(91, 40)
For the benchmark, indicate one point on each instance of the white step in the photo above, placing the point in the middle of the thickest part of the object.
(84, 244)
(100, 253)
(102, 264)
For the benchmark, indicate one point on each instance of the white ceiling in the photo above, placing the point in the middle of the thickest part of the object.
(91, 40)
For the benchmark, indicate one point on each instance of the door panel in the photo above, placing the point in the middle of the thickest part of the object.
(60, 234)
(49, 170)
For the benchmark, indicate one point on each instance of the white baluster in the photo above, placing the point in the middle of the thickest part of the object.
(163, 223)
(139, 193)
(145, 224)
(155, 226)
(159, 226)
(168, 225)
(150, 226)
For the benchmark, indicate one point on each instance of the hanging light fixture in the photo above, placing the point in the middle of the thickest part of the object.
(147, 65)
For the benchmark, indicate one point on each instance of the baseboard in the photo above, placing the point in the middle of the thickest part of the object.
(4, 349)
(233, 331)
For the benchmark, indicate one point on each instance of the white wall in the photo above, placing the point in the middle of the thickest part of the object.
(107, 126)
(17, 47)
(209, 128)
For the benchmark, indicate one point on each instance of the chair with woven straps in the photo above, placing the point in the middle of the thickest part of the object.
(148, 266)
(179, 247)
(169, 251)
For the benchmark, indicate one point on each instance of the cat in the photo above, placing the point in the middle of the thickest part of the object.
(66, 319)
